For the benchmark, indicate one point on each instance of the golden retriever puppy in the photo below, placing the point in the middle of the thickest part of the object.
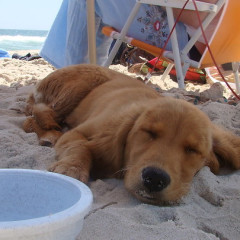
(119, 127)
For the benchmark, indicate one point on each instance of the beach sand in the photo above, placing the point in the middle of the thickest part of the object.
(211, 210)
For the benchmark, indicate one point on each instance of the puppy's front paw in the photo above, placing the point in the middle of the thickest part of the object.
(70, 169)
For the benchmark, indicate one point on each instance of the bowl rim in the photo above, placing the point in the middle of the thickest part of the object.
(56, 220)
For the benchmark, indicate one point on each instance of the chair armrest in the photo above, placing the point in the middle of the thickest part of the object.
(202, 6)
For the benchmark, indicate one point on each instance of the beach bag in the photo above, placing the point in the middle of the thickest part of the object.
(193, 74)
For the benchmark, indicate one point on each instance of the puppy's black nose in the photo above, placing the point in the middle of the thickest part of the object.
(155, 179)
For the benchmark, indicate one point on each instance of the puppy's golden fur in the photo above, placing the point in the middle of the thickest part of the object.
(120, 126)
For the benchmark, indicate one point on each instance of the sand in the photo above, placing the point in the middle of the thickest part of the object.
(211, 210)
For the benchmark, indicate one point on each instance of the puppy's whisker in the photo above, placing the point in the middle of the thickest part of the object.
(122, 171)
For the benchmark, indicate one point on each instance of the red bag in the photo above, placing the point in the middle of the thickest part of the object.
(193, 74)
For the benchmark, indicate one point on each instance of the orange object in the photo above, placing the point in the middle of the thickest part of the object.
(225, 41)
(156, 51)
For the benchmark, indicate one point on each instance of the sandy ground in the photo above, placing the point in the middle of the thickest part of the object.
(210, 211)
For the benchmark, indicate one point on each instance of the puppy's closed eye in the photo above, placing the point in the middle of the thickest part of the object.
(190, 150)
(152, 134)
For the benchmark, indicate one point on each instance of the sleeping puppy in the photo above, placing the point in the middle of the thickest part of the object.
(119, 127)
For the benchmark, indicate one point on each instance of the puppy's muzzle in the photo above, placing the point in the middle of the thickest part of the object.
(155, 179)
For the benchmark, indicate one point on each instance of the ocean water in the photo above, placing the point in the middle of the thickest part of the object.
(13, 39)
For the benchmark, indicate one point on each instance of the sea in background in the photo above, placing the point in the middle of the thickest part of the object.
(13, 39)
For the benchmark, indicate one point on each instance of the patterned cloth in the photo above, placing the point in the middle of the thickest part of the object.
(67, 43)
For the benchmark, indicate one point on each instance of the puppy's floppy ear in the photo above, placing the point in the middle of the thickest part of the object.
(123, 129)
(212, 162)
(112, 140)
(226, 149)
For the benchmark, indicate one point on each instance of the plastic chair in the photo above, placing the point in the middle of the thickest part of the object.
(224, 41)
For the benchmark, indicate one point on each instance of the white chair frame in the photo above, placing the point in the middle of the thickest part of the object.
(181, 60)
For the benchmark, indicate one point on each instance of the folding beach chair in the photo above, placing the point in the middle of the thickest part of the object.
(224, 42)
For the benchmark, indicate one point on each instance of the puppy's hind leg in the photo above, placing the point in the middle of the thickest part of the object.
(46, 137)
(43, 123)
(29, 106)
(45, 117)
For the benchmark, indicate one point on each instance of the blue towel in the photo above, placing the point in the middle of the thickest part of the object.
(4, 54)
(67, 44)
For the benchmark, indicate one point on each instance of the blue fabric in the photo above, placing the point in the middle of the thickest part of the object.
(4, 54)
(55, 44)
(67, 44)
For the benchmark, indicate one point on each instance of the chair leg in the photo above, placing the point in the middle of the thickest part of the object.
(92, 52)
(122, 34)
(235, 67)
(175, 48)
(167, 71)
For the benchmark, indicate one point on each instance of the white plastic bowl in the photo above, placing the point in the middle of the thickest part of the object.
(39, 205)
